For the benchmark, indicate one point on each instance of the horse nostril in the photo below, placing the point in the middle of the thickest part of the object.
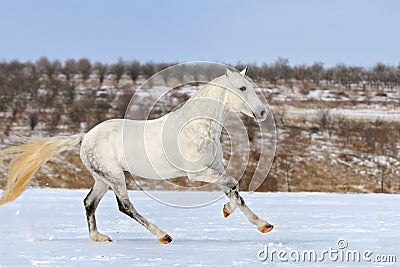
(263, 113)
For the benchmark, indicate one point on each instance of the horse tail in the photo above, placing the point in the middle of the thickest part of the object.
(27, 158)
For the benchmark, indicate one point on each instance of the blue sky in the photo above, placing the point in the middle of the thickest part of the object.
(354, 32)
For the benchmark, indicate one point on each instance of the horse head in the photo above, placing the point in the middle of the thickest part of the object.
(241, 95)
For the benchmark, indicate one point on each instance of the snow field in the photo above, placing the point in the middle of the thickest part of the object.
(47, 227)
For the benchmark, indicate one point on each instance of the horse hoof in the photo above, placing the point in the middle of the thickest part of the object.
(101, 238)
(166, 239)
(225, 212)
(266, 228)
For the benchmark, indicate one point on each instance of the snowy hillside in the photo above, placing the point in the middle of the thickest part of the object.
(338, 128)
(47, 227)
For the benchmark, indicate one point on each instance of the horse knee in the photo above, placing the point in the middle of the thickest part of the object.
(241, 201)
(234, 196)
(230, 183)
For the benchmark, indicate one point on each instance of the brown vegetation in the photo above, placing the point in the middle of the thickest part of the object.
(321, 152)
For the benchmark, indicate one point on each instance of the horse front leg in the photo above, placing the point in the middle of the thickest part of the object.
(235, 200)
(234, 196)
(262, 225)
(231, 205)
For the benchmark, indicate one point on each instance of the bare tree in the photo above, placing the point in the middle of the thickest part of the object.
(149, 69)
(301, 73)
(118, 69)
(84, 67)
(341, 74)
(317, 71)
(379, 74)
(101, 70)
(283, 69)
(33, 120)
(70, 68)
(42, 64)
(383, 167)
(134, 69)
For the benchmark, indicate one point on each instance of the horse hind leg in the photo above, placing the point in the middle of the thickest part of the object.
(126, 207)
(91, 202)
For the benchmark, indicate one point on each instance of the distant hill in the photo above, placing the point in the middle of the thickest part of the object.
(338, 128)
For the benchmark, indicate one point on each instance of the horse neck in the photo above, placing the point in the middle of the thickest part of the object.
(208, 103)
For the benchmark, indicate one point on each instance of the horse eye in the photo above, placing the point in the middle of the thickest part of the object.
(243, 88)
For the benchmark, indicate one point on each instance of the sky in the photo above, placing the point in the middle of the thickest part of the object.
(353, 32)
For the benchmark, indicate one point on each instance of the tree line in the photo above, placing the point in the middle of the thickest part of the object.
(379, 75)
(47, 90)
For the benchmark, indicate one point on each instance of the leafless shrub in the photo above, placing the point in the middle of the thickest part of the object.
(378, 122)
(326, 121)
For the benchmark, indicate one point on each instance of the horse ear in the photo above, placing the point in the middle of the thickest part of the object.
(244, 71)
(228, 72)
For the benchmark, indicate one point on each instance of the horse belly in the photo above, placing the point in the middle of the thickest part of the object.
(147, 158)
(152, 167)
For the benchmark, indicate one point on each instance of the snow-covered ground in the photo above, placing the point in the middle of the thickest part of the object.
(47, 227)
(359, 114)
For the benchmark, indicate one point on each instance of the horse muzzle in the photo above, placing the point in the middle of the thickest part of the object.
(260, 116)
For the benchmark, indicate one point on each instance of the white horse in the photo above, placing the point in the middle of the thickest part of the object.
(185, 142)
